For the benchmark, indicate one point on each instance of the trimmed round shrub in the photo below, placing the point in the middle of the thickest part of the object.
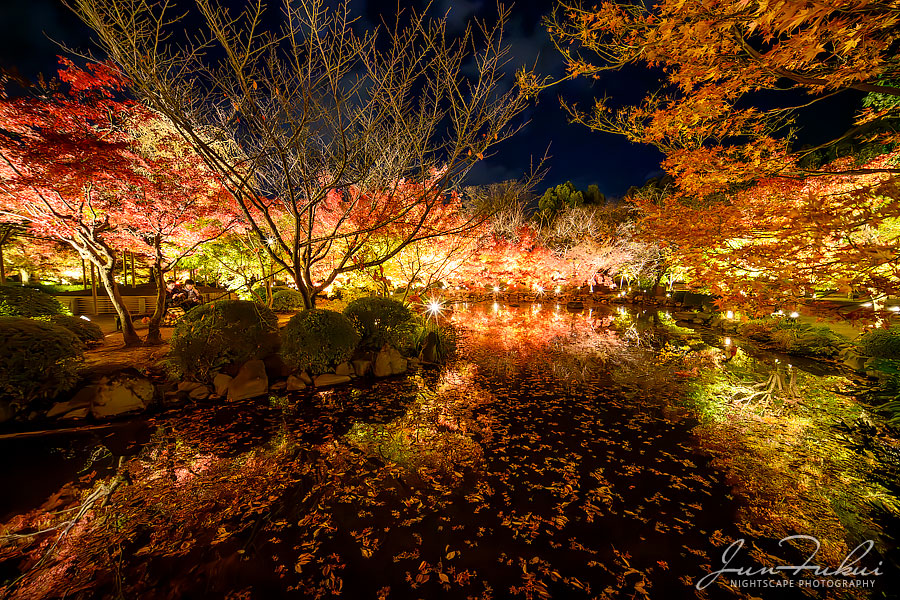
(380, 321)
(212, 336)
(287, 301)
(39, 359)
(880, 343)
(18, 301)
(317, 340)
(89, 333)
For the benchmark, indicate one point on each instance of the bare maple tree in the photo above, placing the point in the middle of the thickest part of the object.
(327, 135)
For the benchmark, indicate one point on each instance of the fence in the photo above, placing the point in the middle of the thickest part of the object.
(136, 305)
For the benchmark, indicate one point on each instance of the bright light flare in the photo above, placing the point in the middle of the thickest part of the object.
(795, 314)
(434, 307)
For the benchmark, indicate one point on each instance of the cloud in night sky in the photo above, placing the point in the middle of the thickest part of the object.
(576, 153)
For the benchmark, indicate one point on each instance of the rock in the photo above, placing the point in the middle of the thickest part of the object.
(278, 386)
(276, 367)
(412, 361)
(82, 399)
(121, 394)
(6, 411)
(251, 381)
(361, 367)
(221, 383)
(330, 379)
(429, 351)
(344, 369)
(684, 315)
(856, 362)
(295, 383)
(194, 390)
(305, 378)
(389, 362)
(78, 413)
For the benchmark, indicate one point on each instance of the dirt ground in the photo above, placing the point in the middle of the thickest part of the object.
(113, 356)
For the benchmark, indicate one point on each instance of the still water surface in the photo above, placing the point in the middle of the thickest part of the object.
(598, 454)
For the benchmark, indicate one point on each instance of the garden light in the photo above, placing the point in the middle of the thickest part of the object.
(728, 341)
(795, 314)
(434, 307)
(496, 288)
(894, 309)
(729, 314)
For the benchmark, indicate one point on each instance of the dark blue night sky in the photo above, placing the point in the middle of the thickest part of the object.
(576, 153)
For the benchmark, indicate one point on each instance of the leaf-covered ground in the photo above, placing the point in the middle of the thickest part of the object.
(565, 456)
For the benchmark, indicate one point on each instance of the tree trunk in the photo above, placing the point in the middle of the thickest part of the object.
(154, 337)
(128, 332)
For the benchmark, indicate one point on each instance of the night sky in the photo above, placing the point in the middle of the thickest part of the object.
(576, 153)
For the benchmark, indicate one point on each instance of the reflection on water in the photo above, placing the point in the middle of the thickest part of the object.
(602, 453)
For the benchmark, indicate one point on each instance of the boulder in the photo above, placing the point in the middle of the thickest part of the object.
(330, 379)
(276, 367)
(684, 315)
(389, 362)
(82, 399)
(429, 351)
(251, 381)
(194, 390)
(278, 386)
(221, 383)
(6, 411)
(121, 394)
(305, 378)
(362, 366)
(295, 383)
(78, 413)
(344, 369)
(856, 362)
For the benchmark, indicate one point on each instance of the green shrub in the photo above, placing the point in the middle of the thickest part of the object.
(214, 335)
(86, 331)
(18, 301)
(880, 343)
(380, 321)
(287, 300)
(318, 340)
(760, 331)
(793, 337)
(39, 360)
(351, 293)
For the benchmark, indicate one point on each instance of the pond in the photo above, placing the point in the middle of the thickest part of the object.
(603, 453)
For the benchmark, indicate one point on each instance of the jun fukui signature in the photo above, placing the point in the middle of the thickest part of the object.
(848, 567)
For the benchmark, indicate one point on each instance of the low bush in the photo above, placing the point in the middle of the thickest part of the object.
(287, 300)
(880, 343)
(793, 337)
(318, 340)
(351, 293)
(39, 359)
(212, 336)
(18, 301)
(380, 321)
(89, 333)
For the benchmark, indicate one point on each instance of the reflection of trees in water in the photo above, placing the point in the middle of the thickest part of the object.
(436, 431)
(571, 346)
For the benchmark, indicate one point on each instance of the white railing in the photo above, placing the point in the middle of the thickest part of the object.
(136, 305)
